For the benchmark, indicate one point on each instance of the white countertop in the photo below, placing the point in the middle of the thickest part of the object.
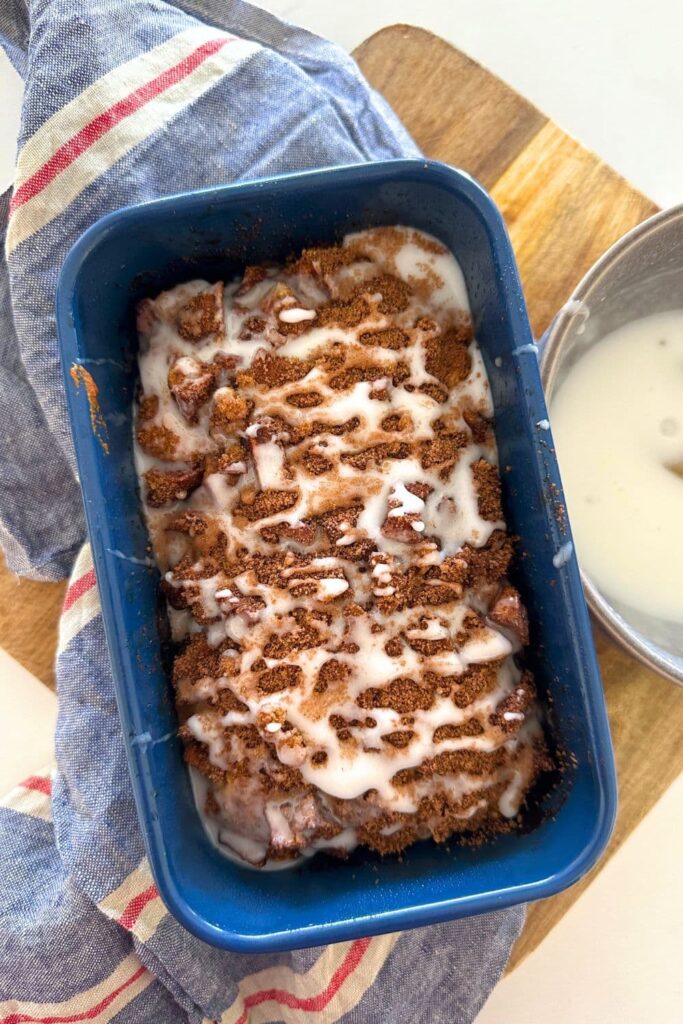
(616, 955)
(609, 72)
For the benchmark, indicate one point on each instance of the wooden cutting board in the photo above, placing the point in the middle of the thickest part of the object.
(563, 207)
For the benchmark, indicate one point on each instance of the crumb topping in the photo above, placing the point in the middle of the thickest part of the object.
(320, 479)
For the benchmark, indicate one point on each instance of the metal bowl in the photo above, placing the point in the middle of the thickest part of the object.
(639, 275)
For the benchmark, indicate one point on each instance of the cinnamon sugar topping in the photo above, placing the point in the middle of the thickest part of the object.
(320, 481)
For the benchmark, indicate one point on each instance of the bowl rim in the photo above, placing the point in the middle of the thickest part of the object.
(539, 884)
(550, 355)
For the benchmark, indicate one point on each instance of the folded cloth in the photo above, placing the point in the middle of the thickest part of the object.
(127, 100)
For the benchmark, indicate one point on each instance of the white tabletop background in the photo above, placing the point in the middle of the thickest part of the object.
(609, 72)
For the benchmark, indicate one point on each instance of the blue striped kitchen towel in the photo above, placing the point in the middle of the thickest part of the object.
(126, 100)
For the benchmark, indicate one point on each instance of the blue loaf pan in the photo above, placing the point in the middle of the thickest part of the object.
(138, 251)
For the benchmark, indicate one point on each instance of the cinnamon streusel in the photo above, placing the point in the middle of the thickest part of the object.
(319, 475)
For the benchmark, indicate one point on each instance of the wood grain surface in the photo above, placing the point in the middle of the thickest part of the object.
(29, 613)
(563, 207)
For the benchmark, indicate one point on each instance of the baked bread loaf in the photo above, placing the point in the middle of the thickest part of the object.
(319, 475)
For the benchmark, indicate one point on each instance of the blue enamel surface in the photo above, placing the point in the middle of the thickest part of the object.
(138, 251)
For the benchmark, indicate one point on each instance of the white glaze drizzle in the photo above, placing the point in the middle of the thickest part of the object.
(444, 521)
